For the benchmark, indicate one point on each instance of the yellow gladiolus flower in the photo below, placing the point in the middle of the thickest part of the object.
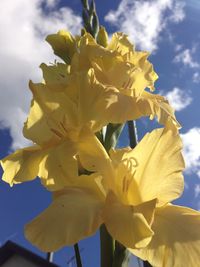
(64, 107)
(120, 66)
(130, 195)
(153, 170)
(61, 124)
(77, 212)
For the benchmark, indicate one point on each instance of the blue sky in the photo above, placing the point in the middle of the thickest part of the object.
(167, 28)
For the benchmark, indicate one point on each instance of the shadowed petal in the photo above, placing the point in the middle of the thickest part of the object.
(22, 165)
(58, 166)
(126, 223)
(93, 155)
(70, 218)
(160, 165)
(176, 241)
(56, 76)
(63, 44)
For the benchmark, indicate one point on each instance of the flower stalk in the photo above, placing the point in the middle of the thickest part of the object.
(107, 247)
(91, 25)
(132, 130)
(90, 18)
(76, 117)
(78, 256)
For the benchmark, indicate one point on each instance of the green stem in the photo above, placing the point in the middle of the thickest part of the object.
(146, 264)
(107, 247)
(112, 134)
(121, 256)
(132, 130)
(91, 24)
(139, 262)
(50, 256)
(90, 18)
(78, 256)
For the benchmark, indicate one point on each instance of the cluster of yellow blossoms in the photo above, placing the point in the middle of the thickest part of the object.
(128, 190)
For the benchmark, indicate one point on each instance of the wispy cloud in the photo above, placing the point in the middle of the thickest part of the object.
(197, 196)
(197, 190)
(191, 141)
(145, 20)
(196, 77)
(178, 47)
(24, 25)
(186, 57)
(178, 98)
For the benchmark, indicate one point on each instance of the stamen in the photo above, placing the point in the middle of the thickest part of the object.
(131, 162)
(63, 126)
(118, 49)
(131, 84)
(127, 185)
(133, 70)
(130, 165)
(124, 184)
(123, 85)
(127, 83)
(57, 133)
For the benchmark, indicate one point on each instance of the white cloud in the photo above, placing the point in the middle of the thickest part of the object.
(145, 20)
(196, 77)
(191, 151)
(197, 195)
(178, 47)
(186, 58)
(24, 25)
(197, 190)
(178, 98)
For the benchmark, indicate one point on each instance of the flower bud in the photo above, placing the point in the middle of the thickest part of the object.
(102, 37)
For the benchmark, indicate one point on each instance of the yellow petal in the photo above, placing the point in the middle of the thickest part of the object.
(58, 167)
(86, 182)
(127, 69)
(93, 101)
(114, 71)
(176, 241)
(147, 209)
(112, 99)
(118, 155)
(145, 70)
(70, 218)
(126, 224)
(49, 100)
(50, 114)
(158, 172)
(93, 155)
(100, 105)
(86, 40)
(56, 76)
(22, 165)
(63, 44)
(116, 103)
(120, 43)
(89, 51)
(36, 127)
(156, 105)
